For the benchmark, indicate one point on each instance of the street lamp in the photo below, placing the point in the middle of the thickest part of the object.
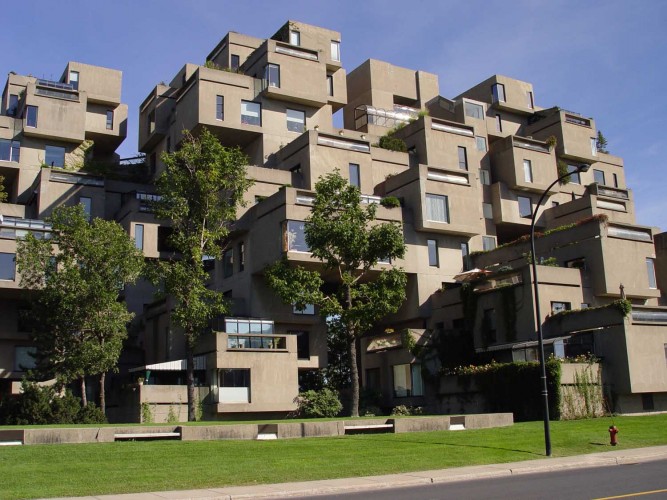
(538, 314)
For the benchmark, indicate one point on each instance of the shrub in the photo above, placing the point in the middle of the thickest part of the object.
(318, 404)
(393, 144)
(404, 410)
(91, 414)
(390, 202)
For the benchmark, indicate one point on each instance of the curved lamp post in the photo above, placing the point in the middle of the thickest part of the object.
(538, 314)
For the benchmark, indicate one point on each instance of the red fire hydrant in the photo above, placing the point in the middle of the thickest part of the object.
(613, 430)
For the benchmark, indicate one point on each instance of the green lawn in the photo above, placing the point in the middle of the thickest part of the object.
(124, 467)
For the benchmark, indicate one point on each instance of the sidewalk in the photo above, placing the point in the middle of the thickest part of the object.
(346, 485)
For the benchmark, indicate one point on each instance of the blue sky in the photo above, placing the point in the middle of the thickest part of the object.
(605, 59)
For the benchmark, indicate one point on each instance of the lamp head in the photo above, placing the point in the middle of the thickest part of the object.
(584, 167)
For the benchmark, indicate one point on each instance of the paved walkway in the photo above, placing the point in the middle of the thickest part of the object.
(283, 490)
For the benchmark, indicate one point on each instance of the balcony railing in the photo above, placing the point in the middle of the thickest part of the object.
(296, 52)
(257, 341)
(13, 228)
(343, 144)
(613, 192)
(55, 85)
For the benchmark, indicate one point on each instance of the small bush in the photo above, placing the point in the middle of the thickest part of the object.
(318, 404)
(405, 411)
(390, 202)
(393, 144)
(91, 414)
(146, 413)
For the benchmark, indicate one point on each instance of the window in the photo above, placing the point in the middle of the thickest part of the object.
(473, 110)
(31, 116)
(432, 253)
(152, 162)
(24, 358)
(335, 50)
(74, 79)
(295, 38)
(234, 385)
(7, 266)
(150, 122)
(330, 85)
(578, 263)
(480, 143)
(87, 206)
(463, 158)
(139, 236)
(296, 236)
(272, 75)
(296, 120)
(530, 102)
(373, 379)
(598, 176)
(168, 144)
(219, 107)
(485, 177)
(10, 150)
(308, 310)
(251, 113)
(488, 243)
(615, 177)
(594, 146)
(13, 106)
(227, 263)
(465, 255)
(489, 325)
(498, 92)
(525, 207)
(437, 209)
(235, 62)
(241, 253)
(302, 343)
(574, 175)
(650, 267)
(487, 210)
(557, 307)
(527, 171)
(355, 178)
(408, 380)
(109, 119)
(54, 156)
(499, 123)
(647, 401)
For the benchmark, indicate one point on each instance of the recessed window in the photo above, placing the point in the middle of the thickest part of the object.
(241, 254)
(525, 206)
(487, 210)
(499, 123)
(227, 263)
(74, 79)
(272, 75)
(594, 146)
(150, 122)
(54, 156)
(408, 380)
(473, 110)
(488, 243)
(485, 177)
(235, 62)
(302, 343)
(647, 401)
(31, 116)
(335, 50)
(489, 327)
(465, 255)
(598, 176)
(295, 37)
(557, 307)
(13, 106)
(251, 113)
(330, 85)
(308, 310)
(87, 204)
(530, 102)
(574, 174)
(527, 171)
(109, 119)
(498, 92)
(7, 266)
(10, 150)
(650, 267)
(234, 385)
(463, 158)
(480, 143)
(219, 107)
(139, 236)
(355, 177)
(615, 177)
(296, 120)
(24, 358)
(432, 253)
(437, 209)
(296, 236)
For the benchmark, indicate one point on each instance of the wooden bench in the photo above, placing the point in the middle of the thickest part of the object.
(147, 435)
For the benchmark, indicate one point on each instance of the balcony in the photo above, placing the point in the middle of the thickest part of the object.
(575, 134)
(524, 164)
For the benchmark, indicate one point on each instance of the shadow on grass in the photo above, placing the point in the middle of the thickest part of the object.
(468, 445)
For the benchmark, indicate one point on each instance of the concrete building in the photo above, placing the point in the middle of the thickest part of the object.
(471, 174)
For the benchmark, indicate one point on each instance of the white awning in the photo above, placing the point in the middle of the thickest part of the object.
(172, 366)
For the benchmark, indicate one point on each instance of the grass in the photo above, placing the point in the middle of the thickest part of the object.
(126, 467)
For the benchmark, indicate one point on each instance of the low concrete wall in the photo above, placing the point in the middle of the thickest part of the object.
(215, 432)
(62, 436)
(421, 424)
(486, 420)
(310, 429)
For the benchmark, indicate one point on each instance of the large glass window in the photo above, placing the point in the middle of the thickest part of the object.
(437, 208)
(574, 174)
(251, 113)
(13, 106)
(473, 110)
(355, 178)
(525, 206)
(463, 158)
(432, 253)
(296, 236)
(527, 171)
(335, 50)
(139, 236)
(7, 266)
(296, 120)
(109, 119)
(498, 92)
(54, 156)
(272, 75)
(650, 267)
(219, 107)
(598, 176)
(234, 385)
(31, 116)
(408, 380)
(10, 150)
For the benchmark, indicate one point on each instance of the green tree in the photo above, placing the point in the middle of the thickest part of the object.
(601, 143)
(201, 188)
(80, 324)
(346, 238)
(3, 193)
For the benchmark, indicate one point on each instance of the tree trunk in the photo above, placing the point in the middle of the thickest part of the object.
(84, 399)
(103, 399)
(354, 375)
(190, 380)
